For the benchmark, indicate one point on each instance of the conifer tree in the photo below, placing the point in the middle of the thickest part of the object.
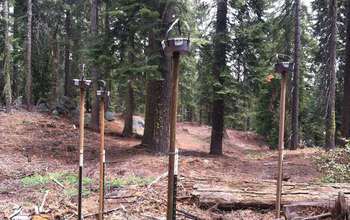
(219, 66)
(7, 61)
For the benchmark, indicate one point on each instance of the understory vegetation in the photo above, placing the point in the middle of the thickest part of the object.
(68, 181)
(335, 165)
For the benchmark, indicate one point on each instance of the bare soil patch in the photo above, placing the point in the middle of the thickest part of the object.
(37, 148)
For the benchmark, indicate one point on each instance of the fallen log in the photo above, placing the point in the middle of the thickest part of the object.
(236, 195)
(337, 210)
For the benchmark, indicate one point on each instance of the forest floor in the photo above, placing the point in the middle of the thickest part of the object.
(39, 155)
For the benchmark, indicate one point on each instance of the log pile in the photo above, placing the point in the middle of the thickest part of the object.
(237, 195)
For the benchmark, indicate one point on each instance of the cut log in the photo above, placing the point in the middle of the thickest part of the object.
(236, 195)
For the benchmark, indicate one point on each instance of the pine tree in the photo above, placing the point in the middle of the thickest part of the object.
(295, 98)
(7, 61)
(156, 134)
(94, 71)
(346, 90)
(219, 66)
(330, 118)
(68, 90)
(29, 86)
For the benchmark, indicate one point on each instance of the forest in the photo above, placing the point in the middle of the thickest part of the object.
(218, 115)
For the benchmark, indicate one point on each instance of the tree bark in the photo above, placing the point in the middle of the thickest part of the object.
(29, 86)
(346, 92)
(151, 133)
(130, 106)
(156, 134)
(295, 98)
(7, 62)
(16, 35)
(219, 65)
(262, 194)
(330, 119)
(130, 102)
(108, 42)
(55, 69)
(95, 75)
(67, 73)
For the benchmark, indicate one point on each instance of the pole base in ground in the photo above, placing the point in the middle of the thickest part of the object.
(80, 217)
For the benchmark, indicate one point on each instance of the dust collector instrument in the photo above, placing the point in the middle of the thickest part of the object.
(83, 84)
(282, 66)
(176, 43)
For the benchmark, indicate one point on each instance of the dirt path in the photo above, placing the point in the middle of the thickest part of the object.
(35, 146)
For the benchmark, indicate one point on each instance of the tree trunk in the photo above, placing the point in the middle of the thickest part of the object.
(7, 62)
(163, 131)
(151, 133)
(295, 98)
(55, 69)
(156, 134)
(94, 72)
(67, 74)
(108, 42)
(330, 119)
(130, 106)
(209, 114)
(29, 86)
(16, 62)
(220, 47)
(346, 92)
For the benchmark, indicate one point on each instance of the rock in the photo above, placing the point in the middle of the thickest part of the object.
(110, 116)
(74, 115)
(55, 112)
(138, 125)
(42, 107)
(65, 105)
(18, 102)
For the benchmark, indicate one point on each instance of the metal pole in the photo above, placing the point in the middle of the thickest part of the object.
(102, 156)
(281, 144)
(171, 210)
(81, 149)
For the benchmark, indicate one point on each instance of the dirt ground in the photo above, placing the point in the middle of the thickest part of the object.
(39, 155)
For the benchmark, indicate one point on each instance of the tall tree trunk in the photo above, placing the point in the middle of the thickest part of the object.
(151, 132)
(330, 118)
(128, 117)
(29, 86)
(163, 130)
(76, 47)
(16, 35)
(346, 92)
(130, 106)
(67, 73)
(55, 69)
(95, 75)
(156, 134)
(295, 98)
(108, 42)
(220, 47)
(7, 62)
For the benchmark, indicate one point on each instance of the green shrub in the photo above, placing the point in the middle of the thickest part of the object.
(38, 179)
(335, 165)
(64, 178)
(130, 180)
